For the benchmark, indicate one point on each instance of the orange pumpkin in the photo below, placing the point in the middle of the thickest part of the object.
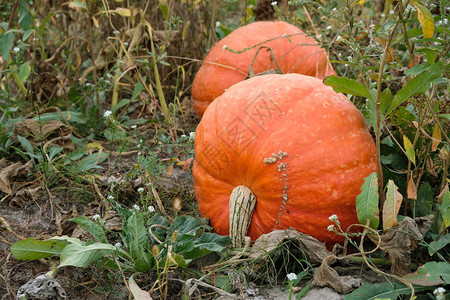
(290, 48)
(301, 149)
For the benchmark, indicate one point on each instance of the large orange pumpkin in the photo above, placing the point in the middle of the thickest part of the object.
(300, 148)
(291, 49)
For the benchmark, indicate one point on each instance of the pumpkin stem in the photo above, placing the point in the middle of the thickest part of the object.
(242, 204)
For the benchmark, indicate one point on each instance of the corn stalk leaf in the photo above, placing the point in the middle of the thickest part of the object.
(367, 202)
(426, 20)
(391, 206)
(409, 149)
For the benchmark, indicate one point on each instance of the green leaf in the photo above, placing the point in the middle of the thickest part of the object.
(347, 86)
(137, 89)
(417, 69)
(445, 209)
(367, 202)
(31, 249)
(409, 149)
(426, 19)
(24, 71)
(6, 44)
(82, 256)
(134, 234)
(68, 116)
(208, 242)
(432, 273)
(435, 246)
(92, 227)
(417, 85)
(446, 116)
(25, 17)
(391, 205)
(385, 290)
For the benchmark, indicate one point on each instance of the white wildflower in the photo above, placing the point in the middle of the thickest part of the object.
(151, 209)
(107, 113)
(95, 217)
(183, 136)
(291, 276)
(140, 190)
(136, 207)
(110, 197)
(133, 126)
(439, 293)
(274, 3)
(333, 218)
(224, 47)
(16, 49)
(116, 31)
(329, 27)
(191, 136)
(319, 36)
(217, 24)
(125, 43)
(118, 245)
(338, 38)
(330, 228)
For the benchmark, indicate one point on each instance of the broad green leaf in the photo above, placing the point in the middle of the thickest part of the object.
(137, 292)
(417, 85)
(435, 246)
(445, 209)
(92, 227)
(391, 206)
(446, 116)
(137, 89)
(430, 274)
(409, 149)
(6, 44)
(347, 86)
(426, 19)
(31, 249)
(24, 71)
(417, 69)
(367, 202)
(25, 17)
(208, 242)
(82, 256)
(135, 234)
(385, 290)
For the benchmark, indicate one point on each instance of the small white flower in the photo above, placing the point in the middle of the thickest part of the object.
(110, 197)
(319, 36)
(439, 293)
(192, 136)
(118, 245)
(329, 27)
(274, 3)
(116, 31)
(445, 21)
(183, 136)
(139, 153)
(151, 209)
(107, 113)
(109, 75)
(133, 126)
(125, 43)
(16, 49)
(149, 184)
(291, 276)
(136, 207)
(224, 47)
(333, 218)
(334, 9)
(140, 141)
(140, 190)
(330, 228)
(217, 24)
(391, 12)
(338, 38)
(35, 39)
(95, 217)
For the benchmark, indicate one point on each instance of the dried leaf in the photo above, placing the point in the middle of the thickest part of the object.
(314, 250)
(391, 206)
(398, 243)
(437, 138)
(138, 294)
(412, 189)
(327, 276)
(9, 174)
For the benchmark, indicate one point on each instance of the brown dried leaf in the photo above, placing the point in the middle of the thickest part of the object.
(314, 250)
(9, 174)
(53, 132)
(327, 276)
(412, 189)
(437, 138)
(398, 243)
(391, 206)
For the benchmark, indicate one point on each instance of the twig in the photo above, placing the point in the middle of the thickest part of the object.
(13, 12)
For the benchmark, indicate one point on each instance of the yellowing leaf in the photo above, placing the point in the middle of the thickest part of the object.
(437, 138)
(391, 206)
(78, 4)
(426, 19)
(412, 189)
(409, 149)
(94, 145)
(361, 2)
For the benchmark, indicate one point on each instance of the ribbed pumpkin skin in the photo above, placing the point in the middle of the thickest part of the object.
(329, 153)
(222, 68)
